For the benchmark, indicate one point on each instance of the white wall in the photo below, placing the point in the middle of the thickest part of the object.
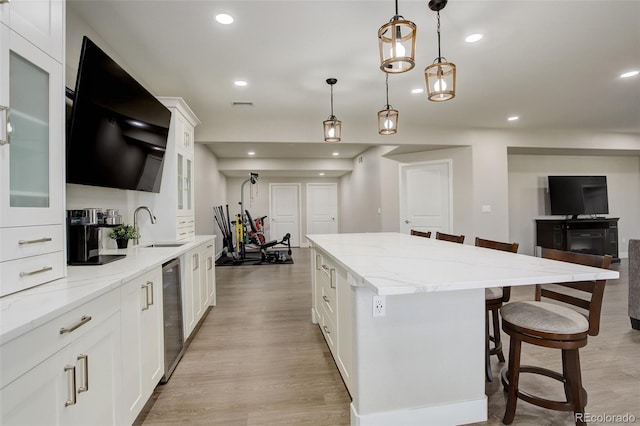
(529, 200)
(256, 199)
(210, 190)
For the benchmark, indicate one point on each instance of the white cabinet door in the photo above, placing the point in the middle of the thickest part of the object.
(210, 273)
(31, 162)
(38, 397)
(142, 341)
(191, 291)
(39, 21)
(79, 385)
(97, 360)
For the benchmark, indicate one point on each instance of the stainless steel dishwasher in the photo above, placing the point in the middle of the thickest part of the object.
(172, 305)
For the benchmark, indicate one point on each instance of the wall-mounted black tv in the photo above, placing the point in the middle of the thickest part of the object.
(576, 195)
(118, 132)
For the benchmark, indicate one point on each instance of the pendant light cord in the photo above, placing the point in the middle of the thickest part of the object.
(332, 101)
(387, 84)
(439, 54)
(396, 7)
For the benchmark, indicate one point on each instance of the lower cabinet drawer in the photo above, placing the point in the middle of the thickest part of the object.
(20, 274)
(328, 327)
(24, 352)
(20, 242)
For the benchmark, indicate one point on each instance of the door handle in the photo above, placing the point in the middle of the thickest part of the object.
(84, 358)
(7, 121)
(72, 387)
(145, 287)
(407, 221)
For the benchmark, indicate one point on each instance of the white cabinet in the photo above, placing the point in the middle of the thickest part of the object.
(174, 205)
(332, 310)
(39, 21)
(199, 285)
(76, 378)
(142, 341)
(31, 142)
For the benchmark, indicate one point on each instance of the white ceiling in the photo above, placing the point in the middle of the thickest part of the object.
(556, 64)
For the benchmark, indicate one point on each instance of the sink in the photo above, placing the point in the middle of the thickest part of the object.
(165, 245)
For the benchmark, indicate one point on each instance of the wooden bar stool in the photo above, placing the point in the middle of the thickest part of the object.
(421, 233)
(450, 237)
(494, 298)
(557, 326)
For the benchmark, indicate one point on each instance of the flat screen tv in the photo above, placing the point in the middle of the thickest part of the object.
(118, 132)
(576, 195)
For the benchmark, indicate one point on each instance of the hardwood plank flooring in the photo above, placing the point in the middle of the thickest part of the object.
(258, 360)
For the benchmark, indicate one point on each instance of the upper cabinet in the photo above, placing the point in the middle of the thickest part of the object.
(175, 203)
(31, 143)
(39, 21)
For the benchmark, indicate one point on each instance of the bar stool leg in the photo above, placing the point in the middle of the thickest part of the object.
(574, 379)
(513, 376)
(487, 353)
(496, 335)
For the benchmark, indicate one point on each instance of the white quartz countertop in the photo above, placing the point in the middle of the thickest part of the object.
(393, 263)
(28, 309)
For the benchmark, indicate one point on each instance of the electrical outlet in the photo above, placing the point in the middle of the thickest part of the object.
(379, 306)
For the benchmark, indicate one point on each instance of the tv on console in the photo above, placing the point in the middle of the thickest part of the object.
(576, 195)
(118, 132)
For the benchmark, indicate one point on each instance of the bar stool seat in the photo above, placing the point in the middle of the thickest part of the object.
(544, 318)
(493, 293)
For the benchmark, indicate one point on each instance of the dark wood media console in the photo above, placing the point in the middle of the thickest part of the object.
(595, 236)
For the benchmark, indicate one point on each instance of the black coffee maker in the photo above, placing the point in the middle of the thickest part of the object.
(83, 238)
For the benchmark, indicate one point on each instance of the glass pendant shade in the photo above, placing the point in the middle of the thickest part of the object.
(332, 129)
(388, 121)
(440, 78)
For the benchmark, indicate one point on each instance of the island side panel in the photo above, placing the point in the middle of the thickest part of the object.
(422, 361)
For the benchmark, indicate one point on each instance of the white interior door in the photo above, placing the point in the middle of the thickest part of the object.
(322, 208)
(284, 211)
(425, 197)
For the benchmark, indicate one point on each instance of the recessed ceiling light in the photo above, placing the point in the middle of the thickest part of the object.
(224, 19)
(336, 153)
(629, 74)
(251, 153)
(240, 83)
(320, 174)
(513, 118)
(414, 91)
(472, 38)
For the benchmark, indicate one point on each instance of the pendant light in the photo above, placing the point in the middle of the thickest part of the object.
(441, 75)
(397, 44)
(332, 126)
(387, 117)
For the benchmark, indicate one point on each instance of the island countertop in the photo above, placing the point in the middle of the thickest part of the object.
(393, 263)
(28, 309)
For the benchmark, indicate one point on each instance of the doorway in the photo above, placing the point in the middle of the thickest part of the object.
(322, 208)
(284, 211)
(426, 196)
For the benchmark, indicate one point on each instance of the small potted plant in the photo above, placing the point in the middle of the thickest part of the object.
(122, 234)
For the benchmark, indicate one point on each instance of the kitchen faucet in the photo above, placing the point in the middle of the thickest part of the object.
(135, 221)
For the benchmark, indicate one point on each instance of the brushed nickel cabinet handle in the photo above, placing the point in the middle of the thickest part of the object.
(83, 320)
(196, 261)
(85, 359)
(209, 263)
(72, 386)
(326, 299)
(326, 329)
(37, 271)
(7, 116)
(5, 1)
(210, 245)
(325, 267)
(318, 262)
(150, 290)
(332, 274)
(145, 287)
(39, 240)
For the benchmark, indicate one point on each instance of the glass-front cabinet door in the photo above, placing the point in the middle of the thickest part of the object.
(31, 134)
(180, 183)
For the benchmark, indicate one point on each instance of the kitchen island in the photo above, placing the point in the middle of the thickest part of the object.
(404, 319)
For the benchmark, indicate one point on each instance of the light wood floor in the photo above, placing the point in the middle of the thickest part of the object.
(258, 360)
